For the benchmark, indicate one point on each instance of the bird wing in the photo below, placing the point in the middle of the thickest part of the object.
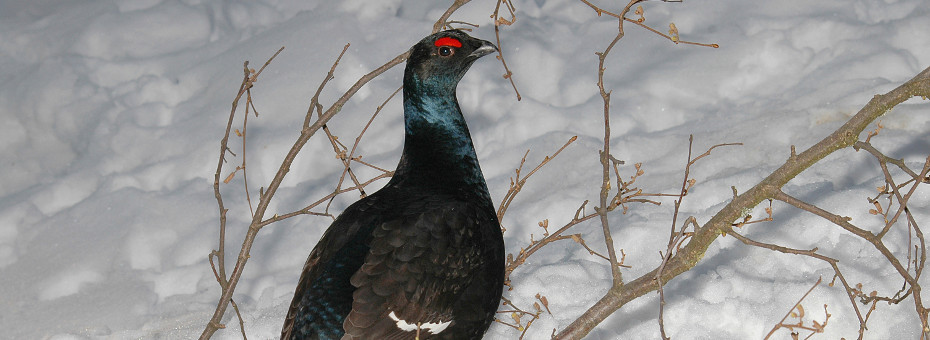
(417, 268)
(340, 240)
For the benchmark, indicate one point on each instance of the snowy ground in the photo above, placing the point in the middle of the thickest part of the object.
(112, 113)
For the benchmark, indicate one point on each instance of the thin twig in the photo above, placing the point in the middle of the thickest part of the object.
(811, 253)
(677, 238)
(516, 184)
(796, 305)
(498, 21)
(600, 11)
(239, 315)
(352, 157)
(307, 131)
(308, 209)
(219, 267)
(445, 16)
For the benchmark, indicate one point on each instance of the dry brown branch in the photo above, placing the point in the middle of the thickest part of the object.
(606, 156)
(882, 158)
(239, 316)
(630, 194)
(444, 18)
(607, 160)
(515, 261)
(816, 327)
(518, 315)
(625, 192)
(498, 21)
(850, 291)
(874, 239)
(517, 183)
(721, 223)
(678, 258)
(673, 37)
(348, 156)
(219, 267)
(308, 210)
(677, 238)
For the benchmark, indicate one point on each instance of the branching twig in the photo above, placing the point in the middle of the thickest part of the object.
(817, 327)
(517, 314)
(721, 223)
(673, 38)
(516, 184)
(348, 158)
(850, 291)
(448, 13)
(676, 239)
(498, 21)
(308, 210)
(606, 155)
(219, 267)
(515, 261)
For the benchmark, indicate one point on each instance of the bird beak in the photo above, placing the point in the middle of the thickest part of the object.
(486, 48)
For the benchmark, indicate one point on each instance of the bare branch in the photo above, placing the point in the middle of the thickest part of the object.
(517, 184)
(721, 223)
(445, 16)
(817, 328)
(498, 22)
(219, 267)
(676, 239)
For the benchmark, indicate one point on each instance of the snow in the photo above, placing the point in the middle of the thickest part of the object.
(112, 112)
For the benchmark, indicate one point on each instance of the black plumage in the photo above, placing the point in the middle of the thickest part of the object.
(424, 256)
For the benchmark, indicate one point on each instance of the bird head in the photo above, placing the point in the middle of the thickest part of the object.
(440, 60)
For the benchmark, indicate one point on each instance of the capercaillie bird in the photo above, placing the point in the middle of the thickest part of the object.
(422, 257)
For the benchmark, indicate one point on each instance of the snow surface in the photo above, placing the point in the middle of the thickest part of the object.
(112, 112)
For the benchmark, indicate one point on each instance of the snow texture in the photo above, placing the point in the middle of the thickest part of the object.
(112, 112)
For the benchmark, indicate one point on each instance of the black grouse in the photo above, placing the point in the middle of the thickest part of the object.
(424, 256)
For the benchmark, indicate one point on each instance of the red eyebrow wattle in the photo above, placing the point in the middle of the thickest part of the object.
(447, 41)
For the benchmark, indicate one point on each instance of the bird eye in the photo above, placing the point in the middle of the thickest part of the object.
(446, 51)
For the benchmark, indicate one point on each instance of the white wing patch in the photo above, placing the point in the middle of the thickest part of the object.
(431, 327)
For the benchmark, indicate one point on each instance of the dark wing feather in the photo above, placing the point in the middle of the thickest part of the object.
(419, 267)
(324, 296)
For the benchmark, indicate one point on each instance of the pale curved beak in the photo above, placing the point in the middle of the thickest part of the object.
(486, 48)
